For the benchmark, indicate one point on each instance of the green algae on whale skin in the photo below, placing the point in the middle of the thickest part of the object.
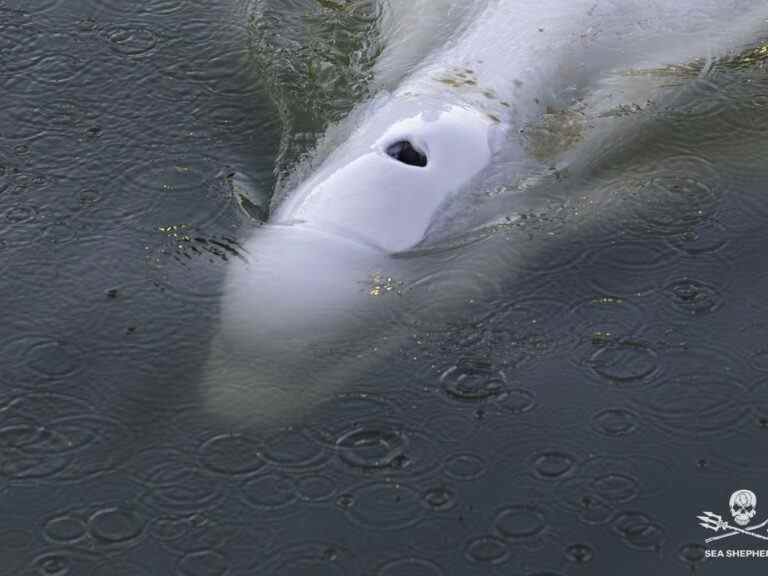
(556, 132)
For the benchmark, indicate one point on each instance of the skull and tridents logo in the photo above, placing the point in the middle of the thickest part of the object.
(743, 507)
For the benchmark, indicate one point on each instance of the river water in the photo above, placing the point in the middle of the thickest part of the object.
(574, 418)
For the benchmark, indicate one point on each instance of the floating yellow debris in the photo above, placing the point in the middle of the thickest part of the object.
(382, 284)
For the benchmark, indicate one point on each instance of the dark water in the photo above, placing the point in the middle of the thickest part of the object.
(576, 420)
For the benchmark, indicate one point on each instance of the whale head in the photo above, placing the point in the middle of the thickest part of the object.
(385, 184)
(305, 281)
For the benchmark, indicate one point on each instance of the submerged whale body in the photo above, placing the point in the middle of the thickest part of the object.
(458, 86)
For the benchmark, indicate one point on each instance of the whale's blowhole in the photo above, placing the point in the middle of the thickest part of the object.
(406, 152)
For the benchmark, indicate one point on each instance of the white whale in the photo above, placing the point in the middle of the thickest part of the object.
(460, 90)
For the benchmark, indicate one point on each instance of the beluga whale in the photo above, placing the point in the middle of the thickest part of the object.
(472, 104)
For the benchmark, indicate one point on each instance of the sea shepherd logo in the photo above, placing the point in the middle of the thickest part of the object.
(743, 508)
